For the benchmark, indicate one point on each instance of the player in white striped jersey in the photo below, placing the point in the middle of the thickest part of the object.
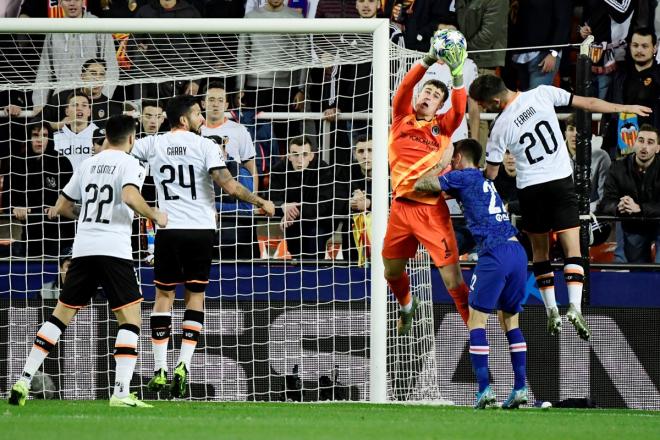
(74, 140)
(237, 140)
(108, 187)
(184, 166)
(527, 126)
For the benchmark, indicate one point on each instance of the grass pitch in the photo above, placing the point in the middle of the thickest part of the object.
(337, 421)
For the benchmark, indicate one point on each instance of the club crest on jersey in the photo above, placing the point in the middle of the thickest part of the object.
(51, 182)
(435, 130)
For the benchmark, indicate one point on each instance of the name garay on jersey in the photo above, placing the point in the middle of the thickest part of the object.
(176, 151)
(524, 116)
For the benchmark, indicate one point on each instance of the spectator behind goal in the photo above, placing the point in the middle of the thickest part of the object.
(74, 140)
(637, 83)
(273, 91)
(63, 56)
(37, 175)
(632, 189)
(94, 72)
(302, 187)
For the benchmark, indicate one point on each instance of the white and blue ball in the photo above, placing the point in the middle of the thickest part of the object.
(448, 40)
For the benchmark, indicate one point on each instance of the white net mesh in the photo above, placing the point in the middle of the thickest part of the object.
(287, 307)
(413, 373)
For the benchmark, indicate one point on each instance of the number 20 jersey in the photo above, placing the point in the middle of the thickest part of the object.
(104, 224)
(181, 162)
(529, 129)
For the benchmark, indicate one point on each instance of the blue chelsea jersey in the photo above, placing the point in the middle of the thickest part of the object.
(484, 211)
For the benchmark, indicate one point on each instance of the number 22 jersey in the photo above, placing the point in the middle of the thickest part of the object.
(529, 129)
(181, 163)
(104, 224)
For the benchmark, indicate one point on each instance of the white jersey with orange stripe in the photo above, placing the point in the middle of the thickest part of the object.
(529, 129)
(181, 163)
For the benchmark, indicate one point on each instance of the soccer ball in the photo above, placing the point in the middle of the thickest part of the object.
(448, 40)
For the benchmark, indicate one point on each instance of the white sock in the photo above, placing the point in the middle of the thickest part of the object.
(45, 340)
(546, 285)
(125, 358)
(191, 331)
(574, 274)
(548, 295)
(161, 323)
(408, 307)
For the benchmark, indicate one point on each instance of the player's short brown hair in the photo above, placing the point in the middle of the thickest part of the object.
(469, 148)
(118, 128)
(486, 87)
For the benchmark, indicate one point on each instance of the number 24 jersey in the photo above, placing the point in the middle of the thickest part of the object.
(104, 224)
(181, 162)
(529, 129)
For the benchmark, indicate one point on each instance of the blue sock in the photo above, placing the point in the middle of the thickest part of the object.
(518, 349)
(479, 355)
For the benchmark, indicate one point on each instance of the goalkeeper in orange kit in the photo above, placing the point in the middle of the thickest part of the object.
(420, 142)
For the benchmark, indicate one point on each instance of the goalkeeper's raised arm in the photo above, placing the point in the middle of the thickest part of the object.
(424, 109)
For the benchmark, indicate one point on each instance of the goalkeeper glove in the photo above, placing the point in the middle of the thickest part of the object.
(455, 59)
(430, 58)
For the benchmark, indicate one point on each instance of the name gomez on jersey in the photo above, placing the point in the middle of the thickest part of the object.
(529, 129)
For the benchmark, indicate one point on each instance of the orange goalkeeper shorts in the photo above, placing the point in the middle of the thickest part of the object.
(411, 223)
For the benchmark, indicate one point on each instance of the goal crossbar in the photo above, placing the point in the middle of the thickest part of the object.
(190, 26)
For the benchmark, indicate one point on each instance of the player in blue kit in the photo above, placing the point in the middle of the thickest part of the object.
(499, 279)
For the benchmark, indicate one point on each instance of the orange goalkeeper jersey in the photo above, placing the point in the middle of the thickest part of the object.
(417, 146)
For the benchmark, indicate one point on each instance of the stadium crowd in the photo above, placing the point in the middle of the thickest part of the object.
(323, 202)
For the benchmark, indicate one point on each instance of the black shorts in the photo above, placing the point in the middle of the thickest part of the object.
(183, 256)
(115, 275)
(549, 206)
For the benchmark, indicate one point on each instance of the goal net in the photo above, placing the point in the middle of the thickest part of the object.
(296, 308)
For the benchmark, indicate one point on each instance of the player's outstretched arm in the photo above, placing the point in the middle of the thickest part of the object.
(64, 207)
(401, 103)
(225, 181)
(132, 197)
(596, 105)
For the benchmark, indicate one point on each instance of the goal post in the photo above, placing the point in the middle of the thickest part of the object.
(378, 315)
(378, 344)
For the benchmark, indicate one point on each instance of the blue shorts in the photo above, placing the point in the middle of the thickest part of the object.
(500, 279)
